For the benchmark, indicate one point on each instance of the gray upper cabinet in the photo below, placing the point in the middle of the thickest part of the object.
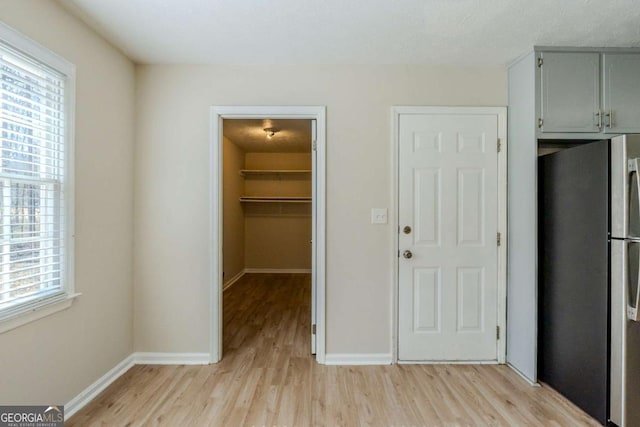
(621, 92)
(569, 92)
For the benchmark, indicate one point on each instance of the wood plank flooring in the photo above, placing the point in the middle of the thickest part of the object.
(268, 378)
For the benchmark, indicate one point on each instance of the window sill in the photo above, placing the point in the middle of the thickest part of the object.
(37, 311)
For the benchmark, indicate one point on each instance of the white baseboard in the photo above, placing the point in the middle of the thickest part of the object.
(233, 280)
(277, 270)
(358, 359)
(172, 358)
(523, 376)
(89, 393)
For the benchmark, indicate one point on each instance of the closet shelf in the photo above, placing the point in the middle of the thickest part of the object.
(247, 172)
(285, 199)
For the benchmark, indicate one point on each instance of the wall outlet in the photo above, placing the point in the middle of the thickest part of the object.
(378, 215)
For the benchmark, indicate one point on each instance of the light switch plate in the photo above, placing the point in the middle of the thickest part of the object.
(378, 215)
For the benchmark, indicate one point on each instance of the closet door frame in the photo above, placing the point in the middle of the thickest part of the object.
(217, 115)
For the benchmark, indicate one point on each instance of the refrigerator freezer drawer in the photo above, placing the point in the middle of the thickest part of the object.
(624, 403)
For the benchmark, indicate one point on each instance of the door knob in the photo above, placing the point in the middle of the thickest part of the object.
(407, 254)
(406, 230)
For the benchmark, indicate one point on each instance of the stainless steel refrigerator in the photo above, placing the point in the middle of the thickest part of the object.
(625, 269)
(589, 257)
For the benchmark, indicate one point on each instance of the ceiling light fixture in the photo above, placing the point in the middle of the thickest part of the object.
(270, 132)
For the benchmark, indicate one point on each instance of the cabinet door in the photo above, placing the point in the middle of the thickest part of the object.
(621, 92)
(570, 91)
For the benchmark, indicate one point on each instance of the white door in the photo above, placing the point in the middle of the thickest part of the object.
(448, 196)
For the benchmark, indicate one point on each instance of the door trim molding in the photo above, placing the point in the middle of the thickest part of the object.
(501, 112)
(217, 114)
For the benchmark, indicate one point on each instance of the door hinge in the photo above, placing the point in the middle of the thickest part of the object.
(313, 329)
(499, 239)
(540, 121)
(499, 145)
(540, 62)
(314, 145)
(497, 332)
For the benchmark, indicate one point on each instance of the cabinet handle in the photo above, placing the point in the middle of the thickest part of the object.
(610, 119)
(599, 119)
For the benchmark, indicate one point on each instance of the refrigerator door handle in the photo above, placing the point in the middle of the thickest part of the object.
(633, 279)
(633, 198)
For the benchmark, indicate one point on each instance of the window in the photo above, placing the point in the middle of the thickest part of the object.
(36, 159)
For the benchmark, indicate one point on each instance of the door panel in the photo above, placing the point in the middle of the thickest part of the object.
(427, 225)
(470, 301)
(471, 207)
(427, 291)
(448, 195)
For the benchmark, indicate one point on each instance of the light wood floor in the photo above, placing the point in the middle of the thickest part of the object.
(267, 378)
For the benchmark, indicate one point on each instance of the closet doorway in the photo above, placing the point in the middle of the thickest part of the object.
(267, 221)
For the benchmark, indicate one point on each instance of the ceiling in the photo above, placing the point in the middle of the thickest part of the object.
(482, 32)
(292, 136)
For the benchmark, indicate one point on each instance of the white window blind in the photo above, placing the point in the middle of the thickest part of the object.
(32, 173)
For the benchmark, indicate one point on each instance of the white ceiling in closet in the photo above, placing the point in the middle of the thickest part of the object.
(291, 136)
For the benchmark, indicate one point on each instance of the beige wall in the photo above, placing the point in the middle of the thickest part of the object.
(278, 236)
(278, 241)
(233, 216)
(293, 161)
(55, 358)
(259, 235)
(172, 184)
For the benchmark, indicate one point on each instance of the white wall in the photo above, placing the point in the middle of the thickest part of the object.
(52, 359)
(172, 183)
